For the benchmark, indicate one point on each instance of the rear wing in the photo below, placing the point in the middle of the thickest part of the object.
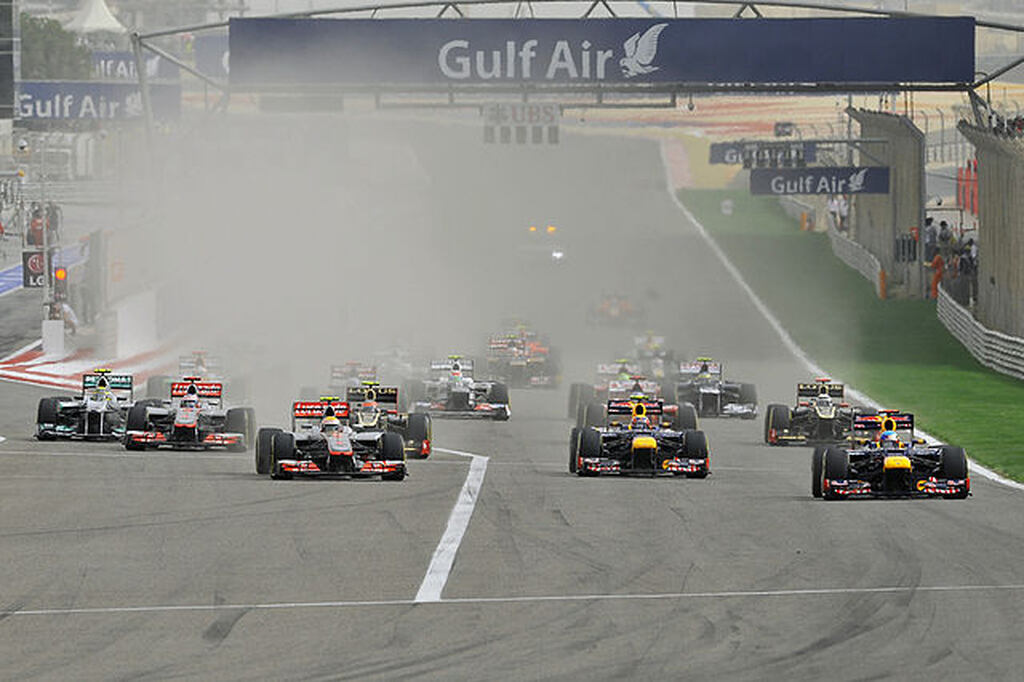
(386, 395)
(700, 367)
(340, 373)
(635, 386)
(119, 384)
(198, 363)
(612, 369)
(446, 365)
(813, 390)
(204, 389)
(884, 421)
(637, 408)
(315, 409)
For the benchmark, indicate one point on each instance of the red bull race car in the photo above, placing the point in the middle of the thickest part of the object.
(321, 443)
(884, 459)
(193, 418)
(636, 440)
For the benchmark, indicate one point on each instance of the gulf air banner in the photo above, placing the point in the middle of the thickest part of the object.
(287, 53)
(820, 180)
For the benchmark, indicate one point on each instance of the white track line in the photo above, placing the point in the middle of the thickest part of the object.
(787, 340)
(27, 347)
(656, 596)
(444, 555)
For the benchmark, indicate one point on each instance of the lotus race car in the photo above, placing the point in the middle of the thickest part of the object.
(640, 444)
(701, 384)
(373, 408)
(192, 419)
(884, 459)
(820, 416)
(320, 444)
(453, 393)
(99, 414)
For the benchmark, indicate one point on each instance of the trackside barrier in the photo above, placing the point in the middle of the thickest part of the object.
(1001, 352)
(860, 259)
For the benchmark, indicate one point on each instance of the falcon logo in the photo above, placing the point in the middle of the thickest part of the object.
(856, 181)
(640, 52)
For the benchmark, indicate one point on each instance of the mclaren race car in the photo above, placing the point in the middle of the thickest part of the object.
(322, 444)
(374, 408)
(884, 459)
(820, 416)
(453, 393)
(701, 384)
(192, 419)
(635, 440)
(100, 413)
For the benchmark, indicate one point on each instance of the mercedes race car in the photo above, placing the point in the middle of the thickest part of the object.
(641, 443)
(702, 385)
(100, 413)
(820, 416)
(884, 459)
(373, 408)
(321, 444)
(522, 360)
(453, 393)
(192, 419)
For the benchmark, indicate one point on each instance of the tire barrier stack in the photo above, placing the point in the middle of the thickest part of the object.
(1001, 352)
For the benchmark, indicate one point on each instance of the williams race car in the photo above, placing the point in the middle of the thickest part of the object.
(702, 385)
(192, 419)
(453, 393)
(99, 414)
(321, 444)
(820, 416)
(884, 459)
(638, 444)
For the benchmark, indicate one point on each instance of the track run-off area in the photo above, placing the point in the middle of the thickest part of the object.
(491, 561)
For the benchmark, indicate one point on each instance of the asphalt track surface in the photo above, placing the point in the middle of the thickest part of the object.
(166, 566)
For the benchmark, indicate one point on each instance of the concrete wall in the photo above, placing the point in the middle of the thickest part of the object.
(876, 219)
(1000, 305)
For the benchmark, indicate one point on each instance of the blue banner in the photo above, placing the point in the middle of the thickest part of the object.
(120, 66)
(294, 52)
(823, 180)
(76, 100)
(733, 152)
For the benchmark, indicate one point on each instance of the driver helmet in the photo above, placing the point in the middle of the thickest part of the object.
(330, 425)
(888, 440)
(368, 409)
(640, 423)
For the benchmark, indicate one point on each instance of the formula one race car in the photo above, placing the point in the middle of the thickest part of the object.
(820, 416)
(701, 384)
(99, 414)
(884, 459)
(640, 444)
(618, 380)
(615, 311)
(522, 360)
(655, 360)
(321, 444)
(351, 374)
(373, 408)
(192, 419)
(453, 393)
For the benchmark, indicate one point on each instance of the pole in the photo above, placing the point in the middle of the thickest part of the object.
(47, 271)
(942, 135)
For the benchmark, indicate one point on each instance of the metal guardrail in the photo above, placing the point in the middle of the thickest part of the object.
(858, 258)
(998, 351)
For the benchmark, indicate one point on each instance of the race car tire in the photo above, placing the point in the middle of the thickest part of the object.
(419, 428)
(240, 420)
(159, 386)
(593, 415)
(575, 391)
(589, 446)
(137, 417)
(498, 394)
(392, 448)
(264, 450)
(282, 446)
(686, 418)
(954, 466)
(777, 417)
(414, 391)
(837, 466)
(748, 396)
(46, 413)
(817, 468)
(695, 445)
(668, 392)
(574, 442)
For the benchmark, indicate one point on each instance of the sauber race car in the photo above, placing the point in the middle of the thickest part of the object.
(820, 416)
(453, 393)
(373, 408)
(522, 360)
(192, 419)
(322, 444)
(99, 414)
(636, 440)
(702, 385)
(884, 459)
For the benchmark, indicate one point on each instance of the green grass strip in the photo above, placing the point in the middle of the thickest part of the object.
(896, 351)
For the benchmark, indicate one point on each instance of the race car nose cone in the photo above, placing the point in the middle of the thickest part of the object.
(896, 462)
(645, 443)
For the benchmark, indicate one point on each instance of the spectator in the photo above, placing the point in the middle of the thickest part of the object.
(945, 239)
(844, 213)
(930, 236)
(833, 211)
(938, 266)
